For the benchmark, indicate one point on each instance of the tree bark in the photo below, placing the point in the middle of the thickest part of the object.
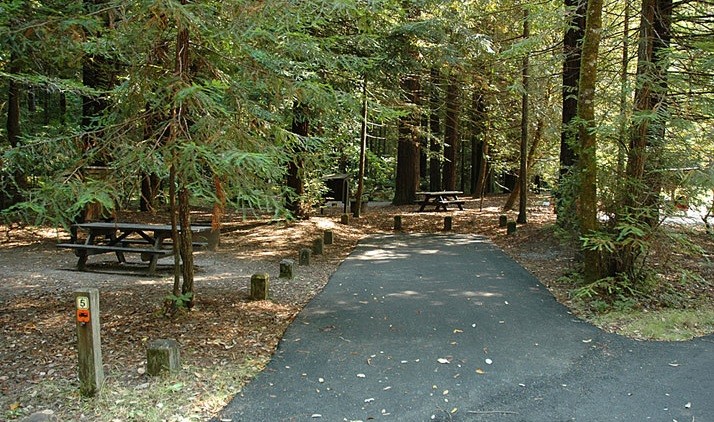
(362, 152)
(183, 239)
(523, 171)
(643, 183)
(587, 158)
(537, 138)
(294, 181)
(407, 177)
(13, 104)
(572, 49)
(435, 145)
(647, 137)
(97, 73)
(452, 140)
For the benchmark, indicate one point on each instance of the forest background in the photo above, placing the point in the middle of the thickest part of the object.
(245, 107)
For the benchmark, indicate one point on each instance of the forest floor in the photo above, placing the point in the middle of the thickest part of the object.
(226, 339)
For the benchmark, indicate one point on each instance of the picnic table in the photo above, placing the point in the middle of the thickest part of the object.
(148, 240)
(440, 199)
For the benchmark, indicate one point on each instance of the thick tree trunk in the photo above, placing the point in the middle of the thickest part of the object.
(452, 140)
(643, 181)
(572, 49)
(407, 178)
(587, 157)
(523, 171)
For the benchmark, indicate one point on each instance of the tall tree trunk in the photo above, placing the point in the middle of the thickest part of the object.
(587, 154)
(537, 138)
(154, 124)
(13, 131)
(407, 178)
(13, 104)
(97, 73)
(452, 140)
(624, 90)
(180, 129)
(301, 128)
(435, 145)
(643, 182)
(572, 49)
(477, 137)
(523, 171)
(362, 152)
(649, 107)
(480, 150)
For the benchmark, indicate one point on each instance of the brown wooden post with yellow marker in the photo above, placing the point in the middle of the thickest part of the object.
(89, 349)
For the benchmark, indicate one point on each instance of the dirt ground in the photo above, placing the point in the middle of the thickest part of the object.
(37, 343)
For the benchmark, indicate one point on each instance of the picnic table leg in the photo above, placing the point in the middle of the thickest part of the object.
(113, 240)
(82, 261)
(152, 264)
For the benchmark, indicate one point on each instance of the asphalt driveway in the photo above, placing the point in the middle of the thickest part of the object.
(449, 328)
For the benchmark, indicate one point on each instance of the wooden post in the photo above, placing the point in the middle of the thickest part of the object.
(286, 268)
(259, 285)
(448, 223)
(318, 246)
(397, 222)
(162, 356)
(89, 344)
(305, 256)
(328, 236)
(511, 227)
(502, 220)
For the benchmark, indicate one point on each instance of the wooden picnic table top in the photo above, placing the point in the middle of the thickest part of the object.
(443, 192)
(102, 225)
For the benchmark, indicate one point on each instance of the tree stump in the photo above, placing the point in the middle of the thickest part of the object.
(328, 237)
(397, 222)
(162, 355)
(305, 256)
(511, 227)
(318, 246)
(286, 268)
(259, 285)
(502, 220)
(448, 223)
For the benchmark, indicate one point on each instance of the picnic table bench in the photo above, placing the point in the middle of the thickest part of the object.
(151, 241)
(440, 199)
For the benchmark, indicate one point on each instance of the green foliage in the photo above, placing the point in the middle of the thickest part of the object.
(178, 302)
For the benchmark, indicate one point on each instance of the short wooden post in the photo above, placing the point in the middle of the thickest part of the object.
(259, 285)
(328, 237)
(89, 344)
(502, 220)
(397, 222)
(162, 355)
(286, 268)
(448, 223)
(318, 246)
(305, 256)
(345, 219)
(511, 227)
